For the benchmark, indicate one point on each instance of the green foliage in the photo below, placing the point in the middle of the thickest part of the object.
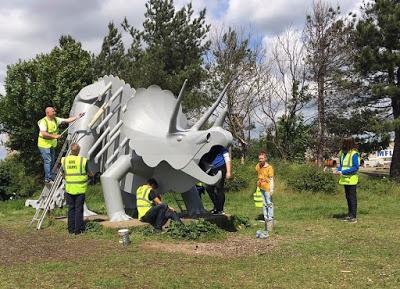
(292, 137)
(54, 78)
(240, 222)
(14, 180)
(193, 230)
(241, 174)
(307, 177)
(169, 50)
(93, 227)
(111, 59)
(378, 186)
(377, 61)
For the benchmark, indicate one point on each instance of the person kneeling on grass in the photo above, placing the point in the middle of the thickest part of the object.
(150, 208)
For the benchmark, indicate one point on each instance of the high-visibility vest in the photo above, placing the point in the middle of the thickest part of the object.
(52, 128)
(75, 174)
(346, 162)
(143, 203)
(258, 200)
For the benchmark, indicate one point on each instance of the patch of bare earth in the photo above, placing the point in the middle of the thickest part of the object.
(232, 247)
(43, 245)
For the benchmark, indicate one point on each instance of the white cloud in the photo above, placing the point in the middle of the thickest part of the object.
(273, 16)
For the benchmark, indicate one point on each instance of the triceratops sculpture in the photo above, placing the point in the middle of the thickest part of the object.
(129, 136)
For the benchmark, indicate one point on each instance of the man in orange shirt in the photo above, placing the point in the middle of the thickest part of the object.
(265, 183)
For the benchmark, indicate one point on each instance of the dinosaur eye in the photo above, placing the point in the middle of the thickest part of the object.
(179, 138)
(208, 137)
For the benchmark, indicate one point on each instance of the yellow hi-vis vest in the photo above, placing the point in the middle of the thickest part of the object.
(258, 200)
(143, 203)
(75, 174)
(52, 128)
(346, 161)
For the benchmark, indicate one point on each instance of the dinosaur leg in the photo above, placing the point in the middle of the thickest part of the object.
(111, 188)
(193, 203)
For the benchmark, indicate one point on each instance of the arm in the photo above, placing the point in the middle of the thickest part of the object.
(47, 135)
(72, 118)
(271, 181)
(44, 133)
(227, 160)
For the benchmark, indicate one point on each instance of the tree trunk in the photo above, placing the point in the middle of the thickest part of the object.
(321, 121)
(395, 165)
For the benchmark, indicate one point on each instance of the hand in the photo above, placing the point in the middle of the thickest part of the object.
(228, 176)
(172, 209)
(337, 173)
(57, 136)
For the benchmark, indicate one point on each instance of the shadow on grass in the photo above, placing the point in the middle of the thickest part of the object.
(339, 216)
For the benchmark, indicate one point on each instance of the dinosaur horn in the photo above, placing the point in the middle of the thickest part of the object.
(220, 120)
(209, 112)
(174, 118)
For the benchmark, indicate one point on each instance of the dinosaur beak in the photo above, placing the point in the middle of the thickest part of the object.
(194, 170)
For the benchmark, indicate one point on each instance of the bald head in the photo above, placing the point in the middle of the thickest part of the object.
(50, 112)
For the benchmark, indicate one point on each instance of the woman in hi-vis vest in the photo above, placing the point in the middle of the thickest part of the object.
(349, 163)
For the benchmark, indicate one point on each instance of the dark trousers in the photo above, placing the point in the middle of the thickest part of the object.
(75, 213)
(217, 191)
(158, 215)
(351, 197)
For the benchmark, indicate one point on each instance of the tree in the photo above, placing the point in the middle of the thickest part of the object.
(174, 46)
(326, 39)
(378, 62)
(284, 96)
(54, 78)
(111, 59)
(234, 61)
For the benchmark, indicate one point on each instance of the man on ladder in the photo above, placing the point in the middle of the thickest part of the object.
(47, 139)
(76, 176)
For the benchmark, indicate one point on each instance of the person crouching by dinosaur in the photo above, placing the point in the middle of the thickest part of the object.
(76, 173)
(150, 208)
(265, 187)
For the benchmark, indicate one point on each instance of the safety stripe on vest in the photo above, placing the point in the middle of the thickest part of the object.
(349, 161)
(76, 182)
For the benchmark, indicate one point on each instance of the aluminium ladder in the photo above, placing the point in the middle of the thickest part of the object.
(46, 197)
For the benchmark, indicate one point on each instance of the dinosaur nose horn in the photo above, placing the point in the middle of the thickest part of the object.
(174, 118)
(220, 120)
(209, 112)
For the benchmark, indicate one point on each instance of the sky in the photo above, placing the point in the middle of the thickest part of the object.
(30, 27)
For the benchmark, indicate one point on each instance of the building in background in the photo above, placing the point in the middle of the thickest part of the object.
(382, 158)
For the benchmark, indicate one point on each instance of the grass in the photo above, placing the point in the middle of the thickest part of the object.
(312, 248)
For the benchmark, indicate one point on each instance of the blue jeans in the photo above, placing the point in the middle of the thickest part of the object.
(49, 158)
(268, 206)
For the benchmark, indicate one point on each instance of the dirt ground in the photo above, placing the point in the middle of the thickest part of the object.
(32, 245)
(232, 247)
(44, 245)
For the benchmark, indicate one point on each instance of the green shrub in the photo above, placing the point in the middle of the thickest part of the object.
(240, 222)
(241, 176)
(93, 227)
(378, 186)
(14, 180)
(306, 177)
(193, 230)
